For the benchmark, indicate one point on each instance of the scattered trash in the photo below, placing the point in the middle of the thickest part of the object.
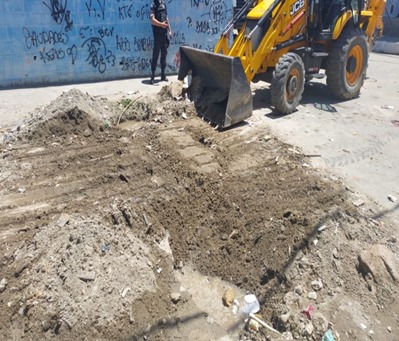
(390, 107)
(236, 305)
(251, 305)
(395, 123)
(392, 198)
(308, 311)
(322, 228)
(267, 137)
(317, 285)
(262, 323)
(312, 155)
(228, 297)
(328, 336)
(312, 295)
(3, 284)
(106, 248)
(253, 325)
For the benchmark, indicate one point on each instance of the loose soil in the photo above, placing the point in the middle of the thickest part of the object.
(104, 205)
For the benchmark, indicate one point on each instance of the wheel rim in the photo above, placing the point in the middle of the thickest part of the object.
(293, 84)
(354, 65)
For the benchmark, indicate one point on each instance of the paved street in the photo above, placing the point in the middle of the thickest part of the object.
(357, 139)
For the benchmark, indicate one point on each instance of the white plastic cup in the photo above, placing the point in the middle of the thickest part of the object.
(251, 305)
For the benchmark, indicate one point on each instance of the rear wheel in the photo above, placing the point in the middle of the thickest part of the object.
(288, 83)
(347, 64)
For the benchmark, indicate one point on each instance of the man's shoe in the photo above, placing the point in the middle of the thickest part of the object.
(152, 81)
(164, 79)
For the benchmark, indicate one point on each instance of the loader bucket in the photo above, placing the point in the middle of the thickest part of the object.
(224, 96)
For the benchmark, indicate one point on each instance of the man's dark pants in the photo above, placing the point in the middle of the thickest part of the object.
(159, 46)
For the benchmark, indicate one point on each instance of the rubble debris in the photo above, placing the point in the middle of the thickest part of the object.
(63, 220)
(317, 285)
(312, 295)
(358, 202)
(3, 285)
(228, 297)
(263, 323)
(175, 297)
(87, 276)
(379, 261)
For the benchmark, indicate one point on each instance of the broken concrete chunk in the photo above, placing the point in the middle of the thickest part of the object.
(175, 297)
(3, 284)
(381, 262)
(125, 291)
(358, 202)
(87, 276)
(312, 295)
(228, 297)
(392, 198)
(63, 220)
(317, 285)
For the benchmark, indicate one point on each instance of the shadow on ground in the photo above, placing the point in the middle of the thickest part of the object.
(316, 94)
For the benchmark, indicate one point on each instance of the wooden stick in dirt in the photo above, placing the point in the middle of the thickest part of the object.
(119, 119)
(263, 323)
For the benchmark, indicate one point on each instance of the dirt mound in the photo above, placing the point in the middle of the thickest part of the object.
(239, 205)
(167, 106)
(72, 113)
(64, 260)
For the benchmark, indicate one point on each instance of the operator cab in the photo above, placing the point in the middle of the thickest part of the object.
(325, 13)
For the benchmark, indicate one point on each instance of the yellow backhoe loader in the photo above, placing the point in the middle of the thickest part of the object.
(285, 43)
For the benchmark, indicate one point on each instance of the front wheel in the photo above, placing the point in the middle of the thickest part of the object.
(347, 64)
(288, 83)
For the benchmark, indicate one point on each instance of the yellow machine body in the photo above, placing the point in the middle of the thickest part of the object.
(271, 29)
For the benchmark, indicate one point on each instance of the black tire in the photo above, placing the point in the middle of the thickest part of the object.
(288, 83)
(347, 64)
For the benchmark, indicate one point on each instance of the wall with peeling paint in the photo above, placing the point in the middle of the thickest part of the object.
(69, 41)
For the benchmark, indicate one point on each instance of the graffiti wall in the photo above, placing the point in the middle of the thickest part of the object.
(69, 41)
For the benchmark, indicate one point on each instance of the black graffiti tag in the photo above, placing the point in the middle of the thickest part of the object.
(58, 53)
(134, 64)
(96, 10)
(59, 12)
(197, 3)
(217, 12)
(98, 54)
(35, 39)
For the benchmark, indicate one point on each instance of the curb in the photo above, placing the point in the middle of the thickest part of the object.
(388, 45)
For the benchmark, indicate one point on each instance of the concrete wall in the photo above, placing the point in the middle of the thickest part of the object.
(391, 26)
(392, 8)
(69, 41)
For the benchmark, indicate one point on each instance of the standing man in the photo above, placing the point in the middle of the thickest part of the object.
(161, 29)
